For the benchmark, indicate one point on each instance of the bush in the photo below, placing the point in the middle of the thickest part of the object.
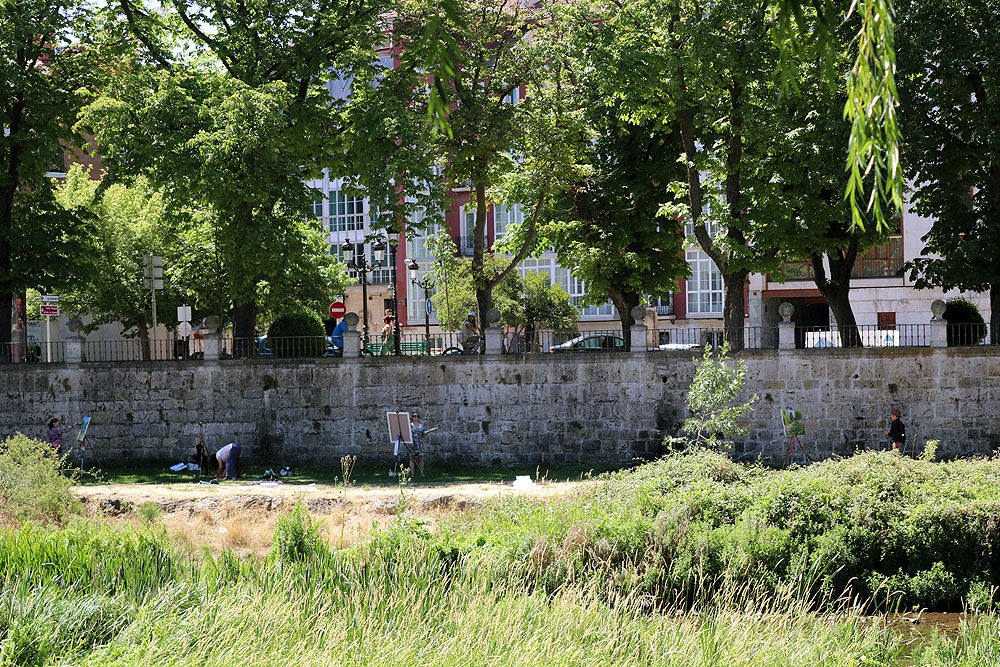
(33, 485)
(299, 334)
(297, 537)
(965, 323)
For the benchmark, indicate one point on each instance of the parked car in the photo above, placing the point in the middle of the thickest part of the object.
(592, 343)
(680, 346)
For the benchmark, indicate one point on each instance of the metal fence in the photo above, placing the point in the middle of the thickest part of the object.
(514, 342)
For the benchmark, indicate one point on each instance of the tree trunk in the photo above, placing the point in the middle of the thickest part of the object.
(995, 313)
(624, 302)
(484, 290)
(733, 311)
(837, 290)
(245, 328)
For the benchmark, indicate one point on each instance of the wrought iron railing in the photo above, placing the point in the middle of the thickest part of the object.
(417, 343)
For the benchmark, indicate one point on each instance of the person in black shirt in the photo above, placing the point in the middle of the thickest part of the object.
(897, 431)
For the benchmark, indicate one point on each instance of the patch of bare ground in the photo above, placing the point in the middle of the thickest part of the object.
(241, 515)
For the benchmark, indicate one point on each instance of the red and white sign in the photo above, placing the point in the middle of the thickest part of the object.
(49, 310)
(338, 309)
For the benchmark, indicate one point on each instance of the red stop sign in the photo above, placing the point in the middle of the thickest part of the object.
(337, 309)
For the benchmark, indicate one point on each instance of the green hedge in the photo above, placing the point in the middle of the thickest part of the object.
(298, 334)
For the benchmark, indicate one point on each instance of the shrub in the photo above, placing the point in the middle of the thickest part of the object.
(712, 399)
(297, 537)
(298, 334)
(33, 485)
(965, 323)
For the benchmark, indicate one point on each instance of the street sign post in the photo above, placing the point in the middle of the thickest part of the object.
(338, 309)
(49, 308)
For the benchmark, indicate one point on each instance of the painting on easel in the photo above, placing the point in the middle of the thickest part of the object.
(792, 421)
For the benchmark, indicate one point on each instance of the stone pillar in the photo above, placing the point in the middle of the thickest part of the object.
(939, 325)
(637, 337)
(352, 343)
(352, 337)
(494, 339)
(494, 334)
(637, 332)
(74, 349)
(211, 346)
(786, 328)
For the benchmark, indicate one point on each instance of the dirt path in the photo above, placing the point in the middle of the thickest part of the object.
(242, 515)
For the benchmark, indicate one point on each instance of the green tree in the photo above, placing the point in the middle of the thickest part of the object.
(606, 223)
(700, 73)
(129, 223)
(949, 66)
(452, 275)
(712, 398)
(492, 60)
(801, 29)
(239, 125)
(802, 189)
(533, 303)
(40, 79)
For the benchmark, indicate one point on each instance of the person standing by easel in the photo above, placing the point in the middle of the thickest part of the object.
(417, 431)
(55, 434)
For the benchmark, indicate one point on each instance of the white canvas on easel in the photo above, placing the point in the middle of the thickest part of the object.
(399, 430)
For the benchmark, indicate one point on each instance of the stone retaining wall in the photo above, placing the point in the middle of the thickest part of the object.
(537, 409)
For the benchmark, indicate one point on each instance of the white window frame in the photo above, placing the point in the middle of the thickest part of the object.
(504, 216)
(353, 219)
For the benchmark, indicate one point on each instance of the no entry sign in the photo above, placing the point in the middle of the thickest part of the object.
(337, 309)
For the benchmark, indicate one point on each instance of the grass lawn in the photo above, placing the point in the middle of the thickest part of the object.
(158, 472)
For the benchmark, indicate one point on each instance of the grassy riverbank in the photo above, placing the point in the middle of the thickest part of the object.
(692, 560)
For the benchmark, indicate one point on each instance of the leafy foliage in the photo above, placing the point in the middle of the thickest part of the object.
(42, 84)
(965, 323)
(235, 128)
(949, 111)
(298, 334)
(710, 399)
(33, 484)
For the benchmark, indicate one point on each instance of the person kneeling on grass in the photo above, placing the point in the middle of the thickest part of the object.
(229, 461)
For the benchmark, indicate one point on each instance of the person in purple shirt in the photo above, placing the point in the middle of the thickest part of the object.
(56, 431)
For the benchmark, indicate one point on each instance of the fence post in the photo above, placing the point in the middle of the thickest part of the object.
(786, 328)
(939, 325)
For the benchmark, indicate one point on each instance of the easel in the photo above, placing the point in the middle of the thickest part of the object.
(399, 434)
(793, 443)
(201, 453)
(791, 422)
(81, 437)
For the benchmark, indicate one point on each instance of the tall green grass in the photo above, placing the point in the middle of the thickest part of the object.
(692, 560)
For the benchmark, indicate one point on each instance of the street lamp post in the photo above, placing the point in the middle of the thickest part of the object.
(360, 266)
(397, 334)
(425, 284)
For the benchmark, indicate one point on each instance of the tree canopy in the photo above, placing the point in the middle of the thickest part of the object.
(42, 73)
(949, 57)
